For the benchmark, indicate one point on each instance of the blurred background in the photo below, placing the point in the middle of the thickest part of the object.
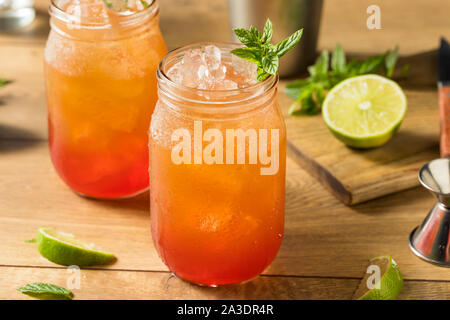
(405, 23)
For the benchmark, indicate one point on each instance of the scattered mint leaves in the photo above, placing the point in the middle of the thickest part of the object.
(44, 291)
(259, 49)
(33, 240)
(310, 92)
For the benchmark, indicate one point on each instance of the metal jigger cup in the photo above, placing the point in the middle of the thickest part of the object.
(431, 240)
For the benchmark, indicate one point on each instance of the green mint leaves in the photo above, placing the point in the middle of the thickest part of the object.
(123, 5)
(3, 82)
(145, 3)
(310, 93)
(259, 49)
(44, 291)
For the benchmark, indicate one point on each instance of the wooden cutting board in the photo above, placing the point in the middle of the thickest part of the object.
(355, 176)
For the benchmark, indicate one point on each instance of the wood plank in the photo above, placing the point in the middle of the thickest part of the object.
(355, 176)
(344, 22)
(320, 231)
(323, 237)
(96, 284)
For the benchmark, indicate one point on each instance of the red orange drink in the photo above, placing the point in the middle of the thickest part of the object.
(101, 91)
(216, 197)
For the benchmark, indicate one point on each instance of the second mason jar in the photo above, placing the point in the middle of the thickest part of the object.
(217, 173)
(100, 71)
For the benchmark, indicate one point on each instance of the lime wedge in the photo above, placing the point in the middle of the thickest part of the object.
(364, 111)
(64, 249)
(382, 281)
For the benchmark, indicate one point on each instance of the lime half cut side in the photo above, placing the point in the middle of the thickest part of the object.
(382, 281)
(62, 248)
(365, 111)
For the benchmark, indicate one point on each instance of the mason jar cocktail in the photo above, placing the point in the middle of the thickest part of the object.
(100, 71)
(217, 144)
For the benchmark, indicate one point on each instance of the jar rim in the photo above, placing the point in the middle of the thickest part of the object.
(259, 88)
(103, 22)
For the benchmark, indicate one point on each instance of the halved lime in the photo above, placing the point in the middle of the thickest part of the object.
(62, 248)
(382, 281)
(364, 111)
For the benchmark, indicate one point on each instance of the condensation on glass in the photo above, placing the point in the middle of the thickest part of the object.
(215, 223)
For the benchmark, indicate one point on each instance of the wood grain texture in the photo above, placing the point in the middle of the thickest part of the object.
(355, 176)
(161, 285)
(326, 244)
(413, 25)
(323, 237)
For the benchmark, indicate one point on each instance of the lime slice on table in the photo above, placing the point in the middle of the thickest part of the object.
(364, 111)
(389, 284)
(64, 249)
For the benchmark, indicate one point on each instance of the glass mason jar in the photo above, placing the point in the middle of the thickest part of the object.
(216, 199)
(100, 72)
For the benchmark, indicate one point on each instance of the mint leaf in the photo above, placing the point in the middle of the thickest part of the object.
(391, 59)
(320, 68)
(352, 68)
(305, 104)
(287, 44)
(310, 93)
(405, 70)
(250, 54)
(309, 106)
(261, 74)
(31, 240)
(44, 291)
(267, 32)
(372, 65)
(294, 88)
(260, 51)
(247, 38)
(270, 63)
(338, 60)
(108, 3)
(4, 82)
(255, 34)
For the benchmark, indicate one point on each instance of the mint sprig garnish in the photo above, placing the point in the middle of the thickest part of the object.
(44, 291)
(123, 5)
(310, 92)
(259, 49)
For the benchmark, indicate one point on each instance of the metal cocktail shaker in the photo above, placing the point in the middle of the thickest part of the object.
(287, 16)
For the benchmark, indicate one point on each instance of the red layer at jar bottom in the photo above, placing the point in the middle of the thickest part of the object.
(101, 175)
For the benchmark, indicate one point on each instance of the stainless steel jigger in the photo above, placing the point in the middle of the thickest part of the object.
(431, 240)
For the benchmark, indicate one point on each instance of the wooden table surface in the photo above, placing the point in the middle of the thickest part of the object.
(326, 244)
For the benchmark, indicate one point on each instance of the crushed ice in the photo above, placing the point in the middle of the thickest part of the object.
(204, 68)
